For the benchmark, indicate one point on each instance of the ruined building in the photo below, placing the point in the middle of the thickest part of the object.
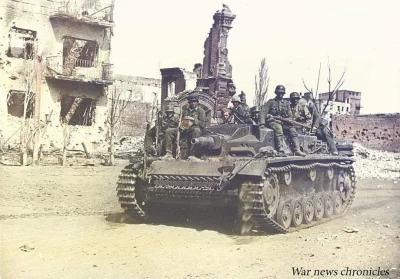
(345, 102)
(69, 44)
(214, 76)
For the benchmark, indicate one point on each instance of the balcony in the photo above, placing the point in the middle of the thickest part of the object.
(73, 69)
(93, 12)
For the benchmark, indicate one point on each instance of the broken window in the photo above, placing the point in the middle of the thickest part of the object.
(15, 104)
(77, 111)
(78, 53)
(21, 43)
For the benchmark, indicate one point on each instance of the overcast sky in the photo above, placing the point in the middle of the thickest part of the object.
(294, 36)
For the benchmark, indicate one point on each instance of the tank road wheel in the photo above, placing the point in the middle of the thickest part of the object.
(286, 177)
(328, 204)
(271, 195)
(318, 207)
(329, 173)
(308, 209)
(284, 213)
(312, 174)
(337, 202)
(298, 212)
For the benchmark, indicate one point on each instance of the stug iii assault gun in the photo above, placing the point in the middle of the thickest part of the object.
(237, 168)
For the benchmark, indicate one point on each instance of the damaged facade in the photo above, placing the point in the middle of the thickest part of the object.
(69, 43)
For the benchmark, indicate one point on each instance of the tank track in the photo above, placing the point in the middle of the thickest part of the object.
(127, 192)
(251, 198)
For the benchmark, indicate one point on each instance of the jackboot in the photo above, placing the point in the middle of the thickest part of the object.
(296, 147)
(279, 146)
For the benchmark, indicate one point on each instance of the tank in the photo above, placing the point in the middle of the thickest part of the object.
(237, 168)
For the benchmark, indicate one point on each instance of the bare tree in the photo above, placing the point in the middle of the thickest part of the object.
(118, 101)
(29, 73)
(332, 91)
(261, 82)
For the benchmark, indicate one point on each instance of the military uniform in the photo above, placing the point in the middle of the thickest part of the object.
(194, 131)
(300, 113)
(239, 114)
(323, 132)
(279, 107)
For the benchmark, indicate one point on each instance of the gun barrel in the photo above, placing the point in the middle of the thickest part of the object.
(212, 142)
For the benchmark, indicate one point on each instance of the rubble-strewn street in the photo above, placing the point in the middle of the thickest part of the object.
(66, 223)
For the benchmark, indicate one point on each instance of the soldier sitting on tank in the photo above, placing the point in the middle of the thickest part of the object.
(239, 113)
(323, 132)
(278, 107)
(254, 116)
(227, 117)
(195, 116)
(300, 112)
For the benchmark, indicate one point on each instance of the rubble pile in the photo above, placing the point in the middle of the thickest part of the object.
(376, 164)
(127, 145)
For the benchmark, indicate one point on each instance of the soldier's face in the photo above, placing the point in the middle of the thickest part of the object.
(226, 115)
(279, 95)
(170, 114)
(235, 104)
(193, 104)
(295, 101)
(256, 115)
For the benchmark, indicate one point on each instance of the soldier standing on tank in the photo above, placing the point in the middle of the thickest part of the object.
(278, 107)
(239, 113)
(254, 116)
(199, 122)
(323, 132)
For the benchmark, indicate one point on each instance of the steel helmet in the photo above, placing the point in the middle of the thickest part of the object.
(294, 95)
(255, 109)
(236, 99)
(280, 89)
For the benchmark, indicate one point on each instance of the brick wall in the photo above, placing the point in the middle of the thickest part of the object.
(375, 131)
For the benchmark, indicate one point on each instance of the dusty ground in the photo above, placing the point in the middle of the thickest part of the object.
(66, 223)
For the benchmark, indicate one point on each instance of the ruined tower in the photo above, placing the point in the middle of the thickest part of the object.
(216, 74)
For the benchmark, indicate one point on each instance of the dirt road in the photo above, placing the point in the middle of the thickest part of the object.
(66, 223)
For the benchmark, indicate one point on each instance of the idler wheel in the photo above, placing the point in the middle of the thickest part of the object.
(318, 207)
(312, 174)
(271, 195)
(308, 209)
(337, 202)
(298, 212)
(284, 214)
(328, 204)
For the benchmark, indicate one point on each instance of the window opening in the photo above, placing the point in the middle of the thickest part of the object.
(21, 43)
(77, 111)
(15, 104)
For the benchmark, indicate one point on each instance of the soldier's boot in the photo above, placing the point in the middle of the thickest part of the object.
(296, 147)
(279, 146)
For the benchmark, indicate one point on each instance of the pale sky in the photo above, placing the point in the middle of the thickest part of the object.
(294, 36)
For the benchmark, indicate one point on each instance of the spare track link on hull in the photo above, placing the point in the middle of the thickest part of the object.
(127, 192)
(253, 200)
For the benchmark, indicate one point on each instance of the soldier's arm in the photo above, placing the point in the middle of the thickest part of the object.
(265, 112)
(201, 118)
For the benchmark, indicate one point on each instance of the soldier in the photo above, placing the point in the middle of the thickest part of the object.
(168, 120)
(300, 112)
(227, 117)
(323, 132)
(197, 118)
(278, 107)
(243, 101)
(239, 113)
(254, 116)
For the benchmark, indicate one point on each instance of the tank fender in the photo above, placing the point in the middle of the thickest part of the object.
(255, 167)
